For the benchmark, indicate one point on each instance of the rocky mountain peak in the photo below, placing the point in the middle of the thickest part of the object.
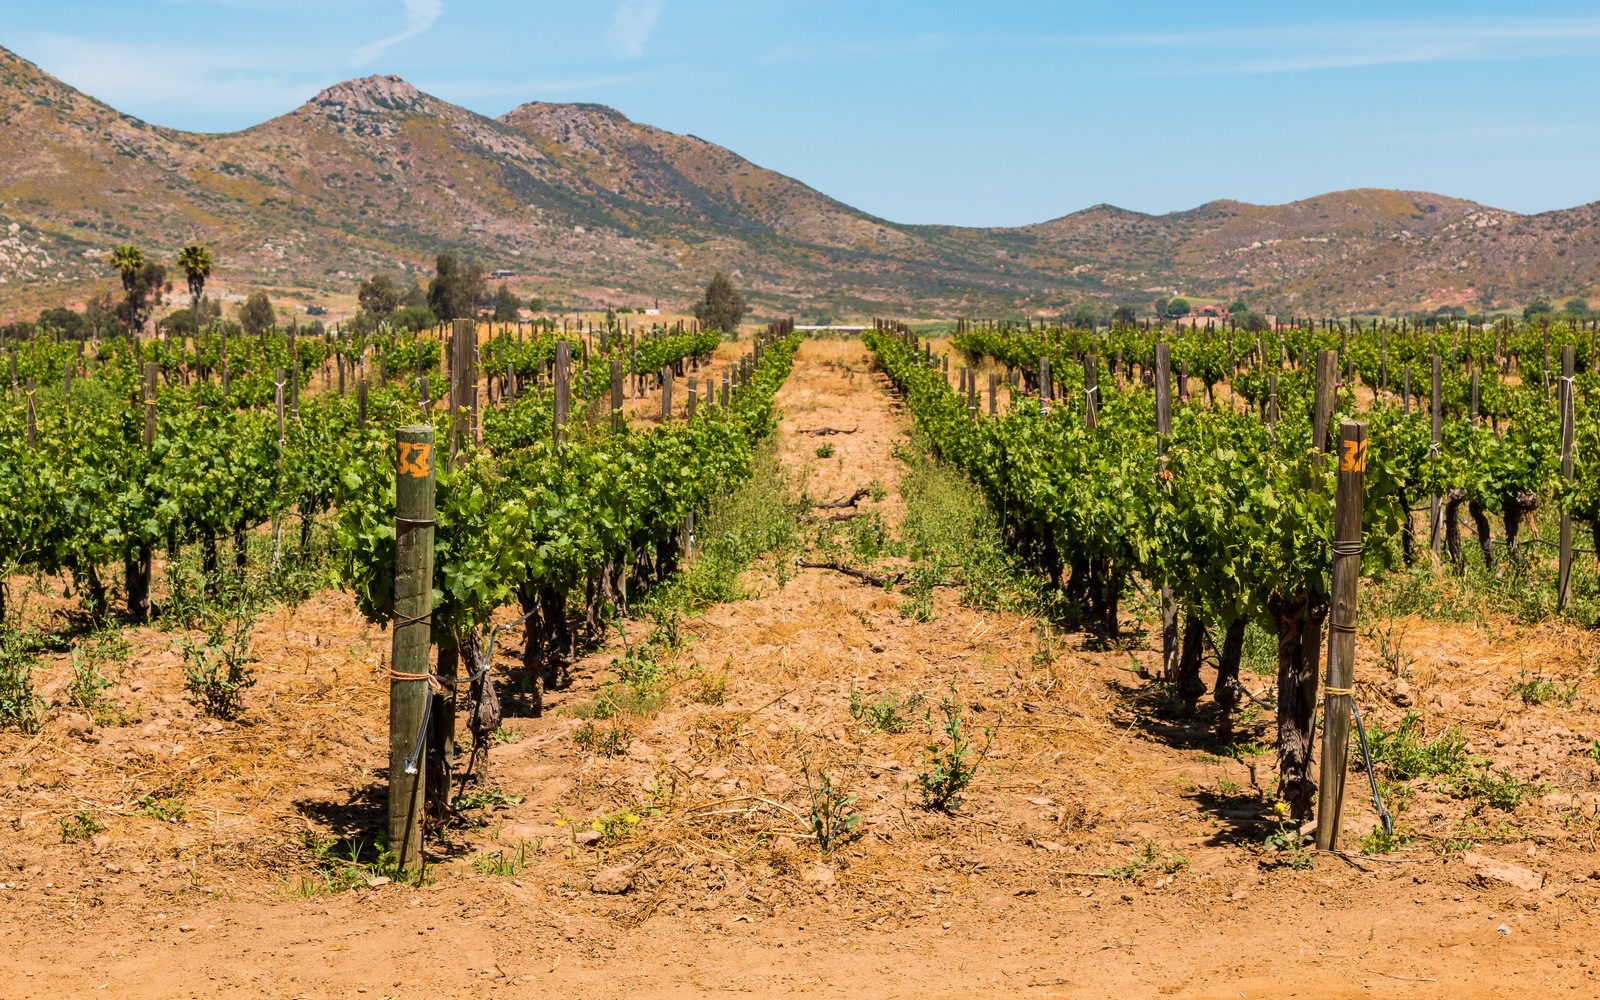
(365, 104)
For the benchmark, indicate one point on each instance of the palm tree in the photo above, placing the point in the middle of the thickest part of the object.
(196, 262)
(128, 260)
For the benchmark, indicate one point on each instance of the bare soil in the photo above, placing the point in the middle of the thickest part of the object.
(704, 876)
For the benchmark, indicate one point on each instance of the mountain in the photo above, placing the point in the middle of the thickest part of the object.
(374, 175)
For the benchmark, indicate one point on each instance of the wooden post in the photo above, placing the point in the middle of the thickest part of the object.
(694, 390)
(1091, 385)
(1170, 647)
(562, 407)
(666, 393)
(994, 393)
(1568, 411)
(727, 387)
(1435, 505)
(411, 639)
(616, 394)
(33, 416)
(1327, 377)
(277, 518)
(1338, 695)
(1044, 384)
(463, 386)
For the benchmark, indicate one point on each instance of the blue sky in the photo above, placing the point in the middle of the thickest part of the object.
(995, 113)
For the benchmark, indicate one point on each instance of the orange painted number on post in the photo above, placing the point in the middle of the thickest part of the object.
(1355, 457)
(414, 458)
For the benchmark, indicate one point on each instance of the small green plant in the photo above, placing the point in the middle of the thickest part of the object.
(505, 735)
(1391, 653)
(217, 669)
(711, 687)
(81, 825)
(1381, 841)
(1594, 751)
(1538, 689)
(918, 605)
(339, 865)
(501, 862)
(163, 808)
(887, 713)
(607, 741)
(832, 821)
(1149, 860)
(1227, 787)
(1503, 791)
(949, 764)
(825, 451)
(1286, 839)
(490, 799)
(20, 707)
(1409, 754)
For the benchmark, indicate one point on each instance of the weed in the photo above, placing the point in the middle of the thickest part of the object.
(505, 735)
(832, 821)
(1504, 791)
(1227, 787)
(1150, 861)
(1391, 655)
(20, 707)
(491, 799)
(711, 687)
(825, 451)
(1537, 690)
(918, 605)
(869, 537)
(1594, 751)
(163, 808)
(81, 825)
(1409, 755)
(217, 670)
(887, 713)
(610, 741)
(502, 863)
(1381, 841)
(357, 864)
(949, 764)
(1286, 839)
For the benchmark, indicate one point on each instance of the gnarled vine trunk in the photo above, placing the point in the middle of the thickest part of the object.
(1189, 687)
(1480, 520)
(1298, 620)
(1452, 527)
(1228, 689)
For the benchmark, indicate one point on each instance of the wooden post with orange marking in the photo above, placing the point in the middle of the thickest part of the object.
(411, 639)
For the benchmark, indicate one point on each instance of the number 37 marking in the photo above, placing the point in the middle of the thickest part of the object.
(1354, 458)
(413, 460)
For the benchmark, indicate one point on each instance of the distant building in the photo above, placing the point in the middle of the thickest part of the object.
(502, 274)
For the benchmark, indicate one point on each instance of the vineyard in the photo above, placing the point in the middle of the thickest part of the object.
(993, 654)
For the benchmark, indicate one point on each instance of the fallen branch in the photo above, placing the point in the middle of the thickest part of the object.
(825, 431)
(862, 575)
(850, 501)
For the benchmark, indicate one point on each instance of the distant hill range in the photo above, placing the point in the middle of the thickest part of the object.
(373, 175)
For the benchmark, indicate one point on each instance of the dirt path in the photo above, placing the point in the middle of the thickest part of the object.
(702, 878)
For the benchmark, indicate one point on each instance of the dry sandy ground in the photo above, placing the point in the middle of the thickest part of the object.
(715, 886)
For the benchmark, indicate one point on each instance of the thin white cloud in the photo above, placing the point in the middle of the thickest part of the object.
(420, 15)
(631, 26)
(1295, 48)
(457, 91)
(203, 80)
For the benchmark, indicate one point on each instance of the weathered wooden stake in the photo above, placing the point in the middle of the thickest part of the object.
(1091, 385)
(1338, 695)
(617, 382)
(1435, 504)
(1568, 428)
(1171, 649)
(562, 407)
(411, 639)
